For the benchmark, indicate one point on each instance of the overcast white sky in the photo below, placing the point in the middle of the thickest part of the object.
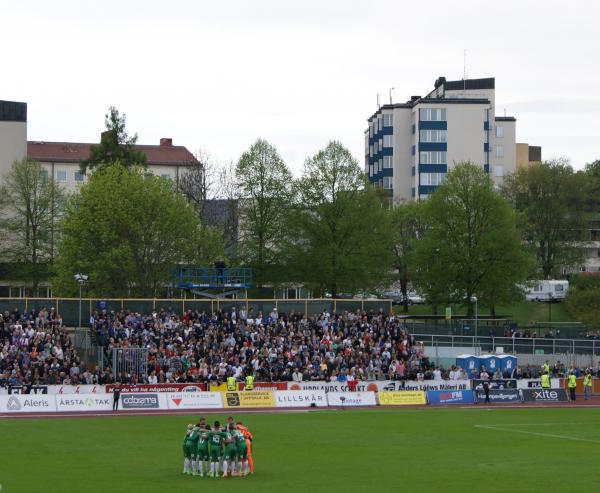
(217, 75)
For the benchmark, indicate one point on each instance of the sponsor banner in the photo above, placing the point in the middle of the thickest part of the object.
(140, 400)
(27, 403)
(195, 400)
(300, 398)
(266, 385)
(544, 395)
(436, 397)
(217, 387)
(497, 396)
(159, 387)
(504, 383)
(28, 389)
(427, 385)
(254, 398)
(351, 399)
(536, 383)
(81, 402)
(401, 398)
(76, 389)
(333, 386)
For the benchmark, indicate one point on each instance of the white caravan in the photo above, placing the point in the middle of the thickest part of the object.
(546, 290)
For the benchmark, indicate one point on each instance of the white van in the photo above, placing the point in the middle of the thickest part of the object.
(551, 290)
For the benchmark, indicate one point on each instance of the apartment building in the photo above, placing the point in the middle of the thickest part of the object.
(409, 147)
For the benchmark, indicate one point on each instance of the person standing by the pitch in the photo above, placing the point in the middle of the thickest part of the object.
(116, 396)
(572, 383)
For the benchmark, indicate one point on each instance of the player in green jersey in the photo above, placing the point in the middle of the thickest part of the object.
(242, 452)
(230, 453)
(187, 455)
(193, 445)
(216, 438)
(202, 450)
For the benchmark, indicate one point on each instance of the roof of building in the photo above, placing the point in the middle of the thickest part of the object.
(472, 84)
(165, 154)
(13, 111)
(505, 119)
(426, 100)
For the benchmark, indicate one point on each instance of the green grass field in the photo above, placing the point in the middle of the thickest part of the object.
(416, 450)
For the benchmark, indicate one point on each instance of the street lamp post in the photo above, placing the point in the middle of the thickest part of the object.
(81, 280)
(474, 298)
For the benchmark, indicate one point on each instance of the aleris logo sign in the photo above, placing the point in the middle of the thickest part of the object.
(140, 401)
(13, 404)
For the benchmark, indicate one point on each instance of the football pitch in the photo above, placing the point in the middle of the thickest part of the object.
(418, 450)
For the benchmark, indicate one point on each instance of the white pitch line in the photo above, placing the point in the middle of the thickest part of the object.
(495, 425)
(546, 435)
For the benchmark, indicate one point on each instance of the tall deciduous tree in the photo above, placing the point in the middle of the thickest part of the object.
(264, 184)
(116, 145)
(128, 230)
(29, 205)
(341, 229)
(551, 207)
(471, 245)
(407, 227)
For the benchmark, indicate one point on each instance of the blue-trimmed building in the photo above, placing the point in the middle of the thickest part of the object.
(410, 146)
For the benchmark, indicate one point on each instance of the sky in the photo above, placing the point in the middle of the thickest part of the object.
(215, 76)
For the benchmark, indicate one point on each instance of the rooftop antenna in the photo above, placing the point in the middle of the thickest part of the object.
(391, 89)
(378, 105)
(464, 70)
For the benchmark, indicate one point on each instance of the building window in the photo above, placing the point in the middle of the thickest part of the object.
(166, 176)
(370, 129)
(431, 178)
(432, 114)
(499, 151)
(61, 176)
(387, 182)
(388, 120)
(78, 176)
(499, 132)
(380, 123)
(371, 151)
(387, 141)
(432, 157)
(387, 162)
(498, 171)
(485, 137)
(432, 135)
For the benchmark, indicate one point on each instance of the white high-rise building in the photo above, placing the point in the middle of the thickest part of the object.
(409, 147)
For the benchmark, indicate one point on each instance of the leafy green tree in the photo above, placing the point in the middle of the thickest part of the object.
(128, 230)
(29, 205)
(116, 145)
(407, 227)
(264, 185)
(550, 201)
(471, 245)
(342, 236)
(583, 299)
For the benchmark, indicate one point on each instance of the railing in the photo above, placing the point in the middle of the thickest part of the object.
(521, 345)
(68, 308)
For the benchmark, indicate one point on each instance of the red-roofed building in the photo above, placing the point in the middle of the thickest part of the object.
(63, 158)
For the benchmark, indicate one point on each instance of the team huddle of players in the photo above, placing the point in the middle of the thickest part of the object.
(219, 451)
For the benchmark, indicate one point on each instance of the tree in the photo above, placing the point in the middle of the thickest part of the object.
(264, 184)
(198, 183)
(128, 230)
(341, 238)
(407, 227)
(471, 245)
(116, 145)
(583, 299)
(29, 204)
(550, 203)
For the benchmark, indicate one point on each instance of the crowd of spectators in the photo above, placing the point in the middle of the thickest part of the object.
(200, 347)
(36, 349)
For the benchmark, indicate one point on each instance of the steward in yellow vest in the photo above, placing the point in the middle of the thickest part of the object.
(572, 382)
(249, 383)
(231, 385)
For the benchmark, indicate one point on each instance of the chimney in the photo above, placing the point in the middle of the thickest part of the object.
(166, 142)
(414, 98)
